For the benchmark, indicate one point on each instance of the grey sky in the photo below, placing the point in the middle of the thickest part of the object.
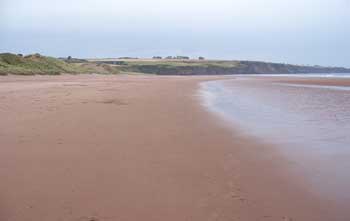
(291, 31)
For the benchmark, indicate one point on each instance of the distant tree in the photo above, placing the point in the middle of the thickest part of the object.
(20, 55)
(69, 58)
(157, 57)
(201, 58)
(169, 57)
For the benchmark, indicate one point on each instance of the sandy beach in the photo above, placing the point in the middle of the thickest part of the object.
(126, 148)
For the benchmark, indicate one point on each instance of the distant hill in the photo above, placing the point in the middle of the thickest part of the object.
(213, 67)
(38, 64)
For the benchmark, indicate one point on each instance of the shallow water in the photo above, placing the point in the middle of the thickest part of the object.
(309, 75)
(310, 124)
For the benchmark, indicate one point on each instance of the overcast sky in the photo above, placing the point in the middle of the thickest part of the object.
(290, 31)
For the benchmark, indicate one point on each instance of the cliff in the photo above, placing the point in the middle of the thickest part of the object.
(222, 67)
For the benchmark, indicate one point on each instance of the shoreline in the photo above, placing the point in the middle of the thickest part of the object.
(273, 109)
(137, 148)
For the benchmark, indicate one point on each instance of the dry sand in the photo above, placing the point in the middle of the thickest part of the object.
(136, 148)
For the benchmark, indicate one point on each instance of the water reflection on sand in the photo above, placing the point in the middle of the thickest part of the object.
(309, 122)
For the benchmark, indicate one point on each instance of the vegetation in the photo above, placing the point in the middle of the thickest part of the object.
(35, 64)
(178, 67)
(38, 64)
(128, 58)
(99, 68)
(178, 57)
(216, 67)
(70, 59)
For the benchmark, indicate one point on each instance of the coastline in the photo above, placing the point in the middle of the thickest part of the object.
(137, 148)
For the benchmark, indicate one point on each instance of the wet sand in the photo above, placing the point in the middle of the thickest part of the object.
(137, 148)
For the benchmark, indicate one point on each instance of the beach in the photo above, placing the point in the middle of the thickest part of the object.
(101, 147)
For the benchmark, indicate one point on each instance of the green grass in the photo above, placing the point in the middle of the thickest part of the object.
(36, 64)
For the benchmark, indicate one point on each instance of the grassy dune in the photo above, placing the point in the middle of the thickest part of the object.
(38, 64)
(35, 64)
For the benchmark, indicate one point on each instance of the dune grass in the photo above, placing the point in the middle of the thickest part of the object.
(36, 64)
